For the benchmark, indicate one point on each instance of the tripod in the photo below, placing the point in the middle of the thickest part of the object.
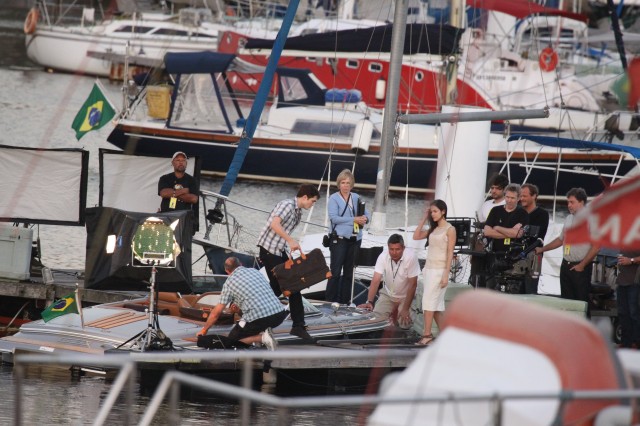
(151, 338)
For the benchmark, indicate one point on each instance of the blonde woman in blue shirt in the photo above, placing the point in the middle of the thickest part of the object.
(343, 209)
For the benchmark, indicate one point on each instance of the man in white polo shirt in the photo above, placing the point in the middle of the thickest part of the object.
(398, 269)
(575, 271)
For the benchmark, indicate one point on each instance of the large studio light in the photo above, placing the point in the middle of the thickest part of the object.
(154, 244)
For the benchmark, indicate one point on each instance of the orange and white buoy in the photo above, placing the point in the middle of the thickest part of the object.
(548, 59)
(31, 21)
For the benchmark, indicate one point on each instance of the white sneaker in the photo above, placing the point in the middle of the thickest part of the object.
(268, 340)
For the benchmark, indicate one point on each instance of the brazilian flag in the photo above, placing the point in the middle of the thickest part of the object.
(65, 305)
(95, 113)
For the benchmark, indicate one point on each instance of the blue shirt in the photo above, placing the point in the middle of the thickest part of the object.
(344, 222)
(250, 290)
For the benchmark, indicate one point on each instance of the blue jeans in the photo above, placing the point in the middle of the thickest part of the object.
(343, 256)
(628, 300)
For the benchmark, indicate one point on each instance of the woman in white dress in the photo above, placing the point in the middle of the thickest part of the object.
(442, 238)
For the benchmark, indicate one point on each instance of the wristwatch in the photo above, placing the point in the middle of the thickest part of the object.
(369, 302)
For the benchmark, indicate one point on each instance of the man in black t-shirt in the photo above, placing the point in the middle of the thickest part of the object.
(537, 215)
(504, 223)
(179, 190)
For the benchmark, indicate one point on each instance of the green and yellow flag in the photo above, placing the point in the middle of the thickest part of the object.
(95, 113)
(63, 306)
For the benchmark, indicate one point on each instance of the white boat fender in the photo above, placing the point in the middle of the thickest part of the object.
(362, 136)
(31, 21)
(381, 88)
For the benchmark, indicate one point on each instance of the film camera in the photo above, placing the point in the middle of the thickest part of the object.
(513, 271)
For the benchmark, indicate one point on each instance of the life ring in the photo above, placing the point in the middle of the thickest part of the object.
(31, 21)
(548, 59)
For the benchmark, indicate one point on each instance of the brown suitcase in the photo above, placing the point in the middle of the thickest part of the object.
(297, 274)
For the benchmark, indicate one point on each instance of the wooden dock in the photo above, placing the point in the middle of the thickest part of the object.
(64, 282)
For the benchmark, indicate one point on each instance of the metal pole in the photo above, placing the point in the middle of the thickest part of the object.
(437, 118)
(18, 370)
(174, 395)
(379, 217)
(245, 403)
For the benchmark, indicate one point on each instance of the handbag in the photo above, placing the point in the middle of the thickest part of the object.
(297, 274)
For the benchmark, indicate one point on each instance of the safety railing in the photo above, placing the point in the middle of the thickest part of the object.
(172, 380)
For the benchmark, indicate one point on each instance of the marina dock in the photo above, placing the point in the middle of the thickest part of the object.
(64, 282)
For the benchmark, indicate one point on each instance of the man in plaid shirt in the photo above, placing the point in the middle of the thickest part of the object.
(248, 290)
(273, 240)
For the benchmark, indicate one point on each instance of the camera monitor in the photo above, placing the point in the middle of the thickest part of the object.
(463, 230)
(123, 246)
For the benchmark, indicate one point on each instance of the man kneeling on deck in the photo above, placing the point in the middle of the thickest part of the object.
(261, 309)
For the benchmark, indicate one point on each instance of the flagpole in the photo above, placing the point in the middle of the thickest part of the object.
(102, 89)
(79, 304)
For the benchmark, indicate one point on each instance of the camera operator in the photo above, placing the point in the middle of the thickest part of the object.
(504, 228)
(505, 222)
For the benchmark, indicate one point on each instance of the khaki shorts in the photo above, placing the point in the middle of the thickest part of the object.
(387, 306)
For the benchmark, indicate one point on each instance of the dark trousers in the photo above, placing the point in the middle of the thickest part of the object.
(257, 326)
(573, 284)
(343, 256)
(628, 301)
(270, 261)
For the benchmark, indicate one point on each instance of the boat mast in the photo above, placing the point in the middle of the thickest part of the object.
(379, 216)
(259, 101)
(456, 20)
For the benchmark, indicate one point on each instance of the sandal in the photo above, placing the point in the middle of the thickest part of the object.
(425, 340)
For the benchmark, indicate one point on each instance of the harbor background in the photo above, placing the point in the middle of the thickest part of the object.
(37, 110)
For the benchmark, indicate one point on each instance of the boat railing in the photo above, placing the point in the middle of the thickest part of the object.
(224, 227)
(54, 12)
(169, 387)
(619, 127)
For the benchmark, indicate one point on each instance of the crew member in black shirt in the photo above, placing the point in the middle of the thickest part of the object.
(505, 222)
(537, 215)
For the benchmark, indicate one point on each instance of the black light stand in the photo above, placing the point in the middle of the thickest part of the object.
(152, 337)
(152, 247)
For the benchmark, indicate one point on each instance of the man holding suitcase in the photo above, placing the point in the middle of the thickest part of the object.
(274, 238)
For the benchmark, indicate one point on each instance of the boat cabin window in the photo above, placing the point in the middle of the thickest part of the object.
(197, 105)
(375, 67)
(353, 64)
(292, 89)
(419, 76)
(170, 32)
(138, 29)
(328, 129)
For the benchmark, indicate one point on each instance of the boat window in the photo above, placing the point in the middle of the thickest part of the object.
(353, 64)
(292, 89)
(419, 76)
(328, 129)
(134, 29)
(375, 67)
(197, 104)
(170, 32)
